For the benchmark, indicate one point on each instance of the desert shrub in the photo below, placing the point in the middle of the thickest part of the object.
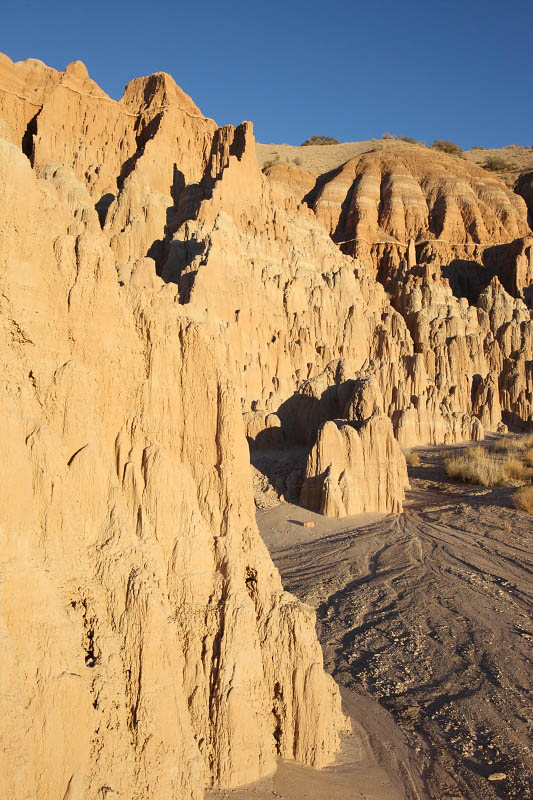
(271, 162)
(515, 443)
(319, 140)
(445, 146)
(497, 164)
(297, 161)
(408, 139)
(479, 466)
(413, 459)
(523, 498)
(513, 468)
(528, 455)
(524, 442)
(503, 444)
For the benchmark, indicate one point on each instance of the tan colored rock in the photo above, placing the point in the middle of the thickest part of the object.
(135, 156)
(262, 251)
(23, 88)
(366, 399)
(158, 290)
(414, 193)
(297, 181)
(432, 352)
(486, 404)
(352, 469)
(147, 635)
(263, 430)
(248, 236)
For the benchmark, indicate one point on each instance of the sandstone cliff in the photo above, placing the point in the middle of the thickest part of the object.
(149, 648)
(163, 298)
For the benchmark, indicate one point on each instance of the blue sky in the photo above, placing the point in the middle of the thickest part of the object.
(352, 70)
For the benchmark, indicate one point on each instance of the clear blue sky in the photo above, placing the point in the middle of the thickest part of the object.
(351, 70)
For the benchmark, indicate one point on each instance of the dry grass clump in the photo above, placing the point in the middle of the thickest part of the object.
(516, 443)
(407, 139)
(514, 469)
(413, 459)
(528, 455)
(497, 164)
(271, 162)
(478, 465)
(445, 146)
(523, 499)
(319, 140)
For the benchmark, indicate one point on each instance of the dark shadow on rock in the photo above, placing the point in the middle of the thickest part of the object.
(502, 260)
(280, 453)
(178, 256)
(27, 139)
(283, 467)
(102, 207)
(467, 278)
(527, 294)
(299, 418)
(524, 187)
(142, 137)
(515, 423)
(302, 414)
(477, 380)
(172, 256)
(311, 196)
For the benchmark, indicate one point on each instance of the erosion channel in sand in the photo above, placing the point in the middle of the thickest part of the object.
(427, 613)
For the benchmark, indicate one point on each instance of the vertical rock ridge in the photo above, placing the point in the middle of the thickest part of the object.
(149, 664)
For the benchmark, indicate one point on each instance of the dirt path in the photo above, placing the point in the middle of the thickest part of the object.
(430, 614)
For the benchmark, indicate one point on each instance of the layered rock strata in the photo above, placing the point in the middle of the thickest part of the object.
(412, 204)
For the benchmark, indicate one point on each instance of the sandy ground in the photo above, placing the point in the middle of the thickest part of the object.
(429, 614)
(319, 159)
(374, 764)
(519, 158)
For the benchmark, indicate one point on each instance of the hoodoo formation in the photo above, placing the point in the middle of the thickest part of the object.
(164, 300)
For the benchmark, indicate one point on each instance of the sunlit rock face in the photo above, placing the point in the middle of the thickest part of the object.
(163, 300)
(150, 649)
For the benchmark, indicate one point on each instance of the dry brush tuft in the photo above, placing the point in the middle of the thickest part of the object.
(523, 499)
(480, 466)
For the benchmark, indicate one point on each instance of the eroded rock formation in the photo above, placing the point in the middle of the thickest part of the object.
(162, 299)
(355, 468)
(383, 200)
(149, 648)
(524, 187)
